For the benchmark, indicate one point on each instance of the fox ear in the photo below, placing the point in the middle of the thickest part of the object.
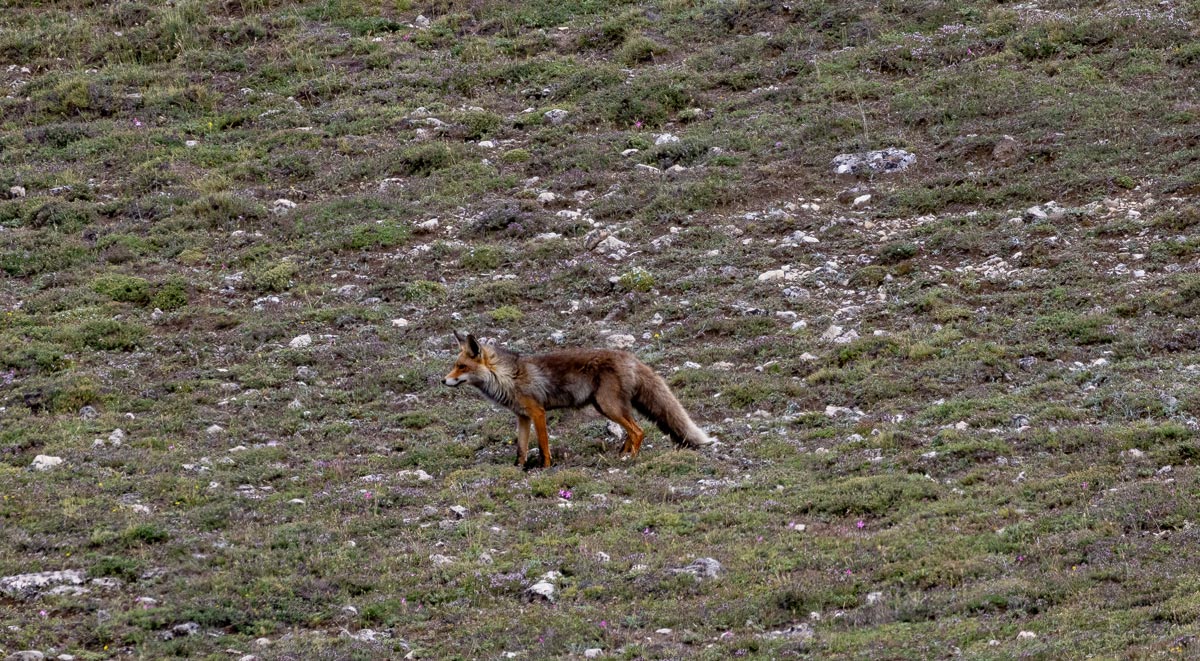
(459, 338)
(472, 346)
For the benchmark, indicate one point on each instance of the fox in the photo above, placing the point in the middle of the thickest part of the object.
(615, 382)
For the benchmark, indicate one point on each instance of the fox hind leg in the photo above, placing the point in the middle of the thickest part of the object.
(522, 440)
(613, 406)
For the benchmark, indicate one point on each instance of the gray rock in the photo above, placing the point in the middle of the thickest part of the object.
(422, 22)
(701, 568)
(301, 341)
(26, 655)
(282, 206)
(89, 413)
(459, 511)
(17, 191)
(799, 632)
(647, 169)
(882, 161)
(352, 292)
(556, 116)
(186, 629)
(666, 139)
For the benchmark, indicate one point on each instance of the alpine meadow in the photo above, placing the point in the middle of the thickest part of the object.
(927, 272)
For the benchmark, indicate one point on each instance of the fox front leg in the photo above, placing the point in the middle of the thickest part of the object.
(522, 439)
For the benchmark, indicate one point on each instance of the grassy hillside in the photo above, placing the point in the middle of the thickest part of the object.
(958, 403)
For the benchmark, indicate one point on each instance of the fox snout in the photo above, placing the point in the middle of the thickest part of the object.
(453, 381)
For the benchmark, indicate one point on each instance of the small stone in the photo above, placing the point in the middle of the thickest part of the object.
(422, 22)
(89, 413)
(282, 206)
(630, 152)
(664, 631)
(459, 511)
(399, 323)
(44, 462)
(874, 598)
(556, 116)
(16, 191)
(296, 501)
(440, 560)
(806, 356)
(301, 341)
(592, 653)
(1134, 453)
(1026, 635)
(487, 144)
(213, 430)
(547, 197)
(428, 225)
(117, 437)
(768, 276)
(349, 291)
(666, 139)
(27, 655)
(262, 642)
(611, 244)
(620, 341)
(601, 556)
(861, 200)
(191, 144)
(648, 169)
(887, 160)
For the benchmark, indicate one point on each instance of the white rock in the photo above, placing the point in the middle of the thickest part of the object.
(768, 276)
(666, 139)
(874, 598)
(592, 653)
(487, 144)
(282, 205)
(213, 430)
(1134, 453)
(620, 341)
(440, 560)
(459, 511)
(17, 191)
(601, 556)
(664, 631)
(648, 169)
(422, 21)
(847, 337)
(29, 584)
(44, 462)
(418, 474)
(861, 200)
(399, 323)
(301, 341)
(806, 356)
(630, 152)
(540, 590)
(831, 333)
(556, 116)
(547, 197)
(428, 225)
(1026, 635)
(191, 143)
(611, 244)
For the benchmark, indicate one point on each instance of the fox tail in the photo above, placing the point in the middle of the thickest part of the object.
(653, 399)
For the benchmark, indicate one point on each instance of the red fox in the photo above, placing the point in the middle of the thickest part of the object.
(615, 382)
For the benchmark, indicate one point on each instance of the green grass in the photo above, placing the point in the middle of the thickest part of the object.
(987, 454)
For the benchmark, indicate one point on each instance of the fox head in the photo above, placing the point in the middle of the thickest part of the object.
(470, 366)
